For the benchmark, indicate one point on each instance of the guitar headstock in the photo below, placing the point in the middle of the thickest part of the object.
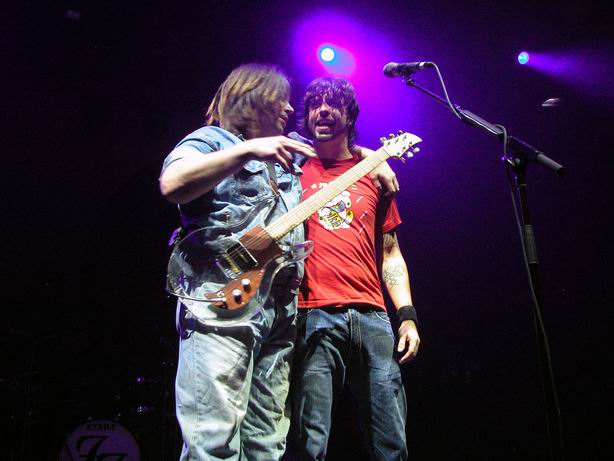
(401, 143)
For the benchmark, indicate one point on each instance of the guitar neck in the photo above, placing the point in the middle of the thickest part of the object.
(296, 216)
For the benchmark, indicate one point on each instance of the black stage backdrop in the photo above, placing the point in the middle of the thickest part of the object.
(97, 93)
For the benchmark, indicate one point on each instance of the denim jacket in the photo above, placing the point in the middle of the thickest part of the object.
(242, 200)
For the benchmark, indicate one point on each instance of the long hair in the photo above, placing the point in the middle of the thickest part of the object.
(250, 96)
(336, 89)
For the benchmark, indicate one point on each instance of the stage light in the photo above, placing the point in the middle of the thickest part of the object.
(335, 59)
(327, 54)
(523, 57)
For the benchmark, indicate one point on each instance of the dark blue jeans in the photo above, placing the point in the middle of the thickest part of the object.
(336, 347)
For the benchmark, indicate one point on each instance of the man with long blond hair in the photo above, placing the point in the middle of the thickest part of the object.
(232, 381)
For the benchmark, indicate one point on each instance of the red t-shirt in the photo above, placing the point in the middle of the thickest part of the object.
(342, 269)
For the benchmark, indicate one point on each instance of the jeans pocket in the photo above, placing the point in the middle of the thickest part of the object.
(382, 315)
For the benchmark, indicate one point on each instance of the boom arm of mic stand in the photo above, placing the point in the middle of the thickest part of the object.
(523, 149)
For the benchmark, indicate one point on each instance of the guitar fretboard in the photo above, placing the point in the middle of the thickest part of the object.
(285, 224)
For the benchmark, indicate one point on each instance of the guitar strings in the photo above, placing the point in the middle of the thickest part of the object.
(358, 171)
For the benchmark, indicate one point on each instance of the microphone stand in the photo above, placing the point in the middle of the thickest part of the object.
(524, 153)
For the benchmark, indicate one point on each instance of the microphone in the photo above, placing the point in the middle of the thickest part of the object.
(394, 69)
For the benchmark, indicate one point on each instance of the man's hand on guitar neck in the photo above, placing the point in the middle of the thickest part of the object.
(383, 177)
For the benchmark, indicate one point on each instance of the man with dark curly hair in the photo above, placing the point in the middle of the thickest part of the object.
(344, 334)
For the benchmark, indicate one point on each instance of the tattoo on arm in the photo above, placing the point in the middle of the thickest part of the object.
(392, 275)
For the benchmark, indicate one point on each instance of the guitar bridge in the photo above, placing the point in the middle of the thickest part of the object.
(235, 261)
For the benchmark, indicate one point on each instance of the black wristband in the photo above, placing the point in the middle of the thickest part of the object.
(407, 313)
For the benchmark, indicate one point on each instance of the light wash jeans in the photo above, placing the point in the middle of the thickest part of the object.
(232, 383)
(337, 347)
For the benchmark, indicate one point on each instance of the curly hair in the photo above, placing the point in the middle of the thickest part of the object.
(249, 96)
(336, 89)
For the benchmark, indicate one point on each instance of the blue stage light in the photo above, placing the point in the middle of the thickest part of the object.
(327, 54)
(523, 57)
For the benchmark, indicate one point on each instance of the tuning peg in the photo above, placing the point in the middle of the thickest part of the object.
(416, 150)
(400, 132)
(391, 136)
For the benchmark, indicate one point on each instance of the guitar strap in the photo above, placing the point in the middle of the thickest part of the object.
(273, 178)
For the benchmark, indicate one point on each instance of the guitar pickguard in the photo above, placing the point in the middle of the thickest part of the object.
(230, 278)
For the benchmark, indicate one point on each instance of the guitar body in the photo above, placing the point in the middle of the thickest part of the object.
(228, 279)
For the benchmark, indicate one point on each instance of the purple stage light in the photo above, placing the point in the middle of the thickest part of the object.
(336, 59)
(339, 44)
(523, 57)
(587, 68)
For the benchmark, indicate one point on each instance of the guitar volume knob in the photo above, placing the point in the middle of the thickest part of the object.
(236, 295)
(246, 284)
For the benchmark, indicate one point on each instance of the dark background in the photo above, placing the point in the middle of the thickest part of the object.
(93, 101)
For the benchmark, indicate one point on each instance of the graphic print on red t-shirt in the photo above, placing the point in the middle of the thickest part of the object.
(342, 269)
(337, 213)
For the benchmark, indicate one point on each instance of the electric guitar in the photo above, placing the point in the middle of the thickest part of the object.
(226, 279)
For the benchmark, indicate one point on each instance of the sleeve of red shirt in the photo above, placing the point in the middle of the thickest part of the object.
(393, 219)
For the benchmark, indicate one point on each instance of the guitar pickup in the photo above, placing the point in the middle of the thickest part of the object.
(236, 260)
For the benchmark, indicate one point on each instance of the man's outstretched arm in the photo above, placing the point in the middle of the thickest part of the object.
(396, 279)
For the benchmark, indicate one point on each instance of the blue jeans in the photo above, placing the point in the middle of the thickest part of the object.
(353, 347)
(233, 381)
